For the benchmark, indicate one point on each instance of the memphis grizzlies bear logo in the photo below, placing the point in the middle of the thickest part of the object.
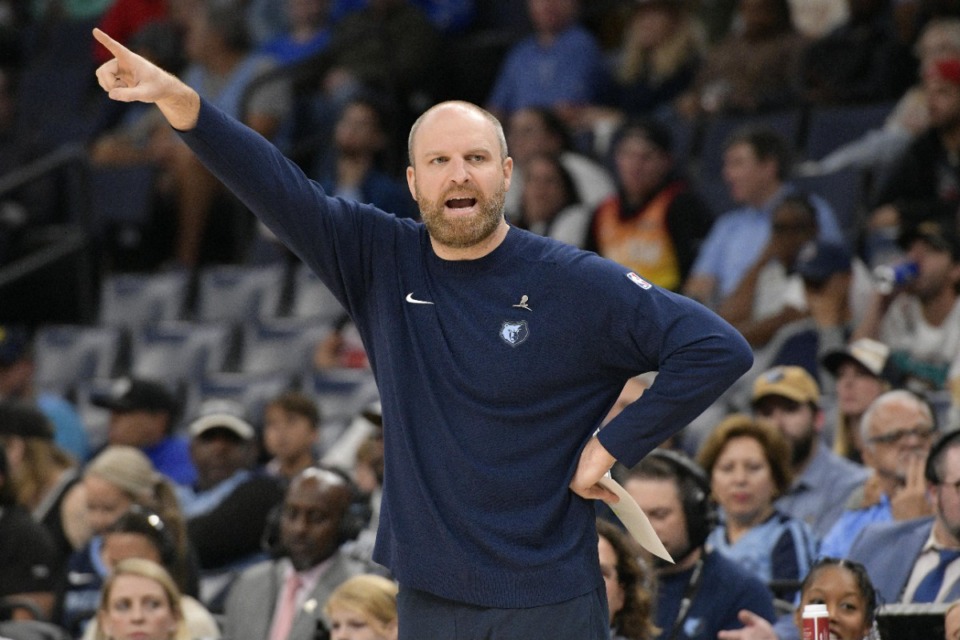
(513, 332)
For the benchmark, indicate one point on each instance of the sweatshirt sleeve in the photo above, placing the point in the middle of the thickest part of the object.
(699, 354)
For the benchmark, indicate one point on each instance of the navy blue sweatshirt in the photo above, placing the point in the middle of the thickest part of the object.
(487, 403)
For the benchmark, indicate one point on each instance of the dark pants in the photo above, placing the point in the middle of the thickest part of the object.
(427, 617)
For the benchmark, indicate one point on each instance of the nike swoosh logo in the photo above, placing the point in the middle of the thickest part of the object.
(413, 300)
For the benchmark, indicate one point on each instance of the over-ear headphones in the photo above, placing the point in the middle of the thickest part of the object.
(355, 518)
(936, 453)
(694, 489)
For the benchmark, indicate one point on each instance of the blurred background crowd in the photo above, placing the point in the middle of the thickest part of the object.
(166, 365)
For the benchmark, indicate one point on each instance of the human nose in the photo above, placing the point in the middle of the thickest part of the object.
(458, 171)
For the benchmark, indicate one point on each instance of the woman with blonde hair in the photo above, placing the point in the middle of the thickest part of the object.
(139, 600)
(42, 474)
(364, 607)
(116, 479)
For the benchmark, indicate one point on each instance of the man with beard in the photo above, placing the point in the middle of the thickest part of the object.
(918, 560)
(789, 397)
(920, 319)
(897, 430)
(497, 353)
(315, 520)
(702, 593)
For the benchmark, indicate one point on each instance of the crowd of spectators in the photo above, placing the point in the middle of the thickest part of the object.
(253, 519)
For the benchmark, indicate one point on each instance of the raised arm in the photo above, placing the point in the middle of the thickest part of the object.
(128, 77)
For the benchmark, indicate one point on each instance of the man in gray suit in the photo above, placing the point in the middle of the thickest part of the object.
(282, 598)
(919, 560)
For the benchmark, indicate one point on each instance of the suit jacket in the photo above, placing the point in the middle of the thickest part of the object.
(889, 550)
(252, 598)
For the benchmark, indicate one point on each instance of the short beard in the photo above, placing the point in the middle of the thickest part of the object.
(460, 233)
(800, 449)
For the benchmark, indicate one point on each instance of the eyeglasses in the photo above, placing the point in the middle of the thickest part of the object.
(894, 437)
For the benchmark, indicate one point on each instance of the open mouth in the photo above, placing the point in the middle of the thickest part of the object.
(460, 203)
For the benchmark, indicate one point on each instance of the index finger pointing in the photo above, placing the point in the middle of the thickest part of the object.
(112, 45)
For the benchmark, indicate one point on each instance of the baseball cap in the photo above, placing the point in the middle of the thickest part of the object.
(818, 261)
(788, 381)
(17, 418)
(868, 353)
(14, 341)
(133, 394)
(940, 233)
(221, 414)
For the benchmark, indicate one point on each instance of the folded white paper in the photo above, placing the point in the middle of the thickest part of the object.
(634, 519)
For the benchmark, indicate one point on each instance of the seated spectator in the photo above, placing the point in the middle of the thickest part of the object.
(27, 552)
(40, 473)
(307, 32)
(862, 60)
(835, 290)
(536, 130)
(280, 598)
(342, 348)
(655, 222)
(627, 578)
(752, 68)
(368, 602)
(702, 592)
(140, 599)
(858, 369)
(357, 166)
(924, 181)
(920, 319)
(291, 422)
(748, 463)
(664, 44)
(756, 166)
(18, 382)
(550, 204)
(140, 533)
(759, 306)
(228, 506)
(896, 430)
(114, 481)
(916, 560)
(789, 398)
(144, 414)
(842, 585)
(879, 148)
(568, 64)
(368, 423)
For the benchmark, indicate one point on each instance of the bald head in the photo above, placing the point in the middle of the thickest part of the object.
(457, 108)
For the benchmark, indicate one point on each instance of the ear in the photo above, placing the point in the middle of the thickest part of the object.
(818, 421)
(507, 172)
(412, 181)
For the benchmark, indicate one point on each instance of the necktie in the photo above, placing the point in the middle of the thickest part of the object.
(930, 586)
(283, 620)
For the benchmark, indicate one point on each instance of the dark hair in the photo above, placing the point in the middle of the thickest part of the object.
(651, 130)
(933, 470)
(859, 572)
(802, 201)
(636, 619)
(566, 178)
(767, 144)
(693, 489)
(298, 403)
(554, 125)
(147, 523)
